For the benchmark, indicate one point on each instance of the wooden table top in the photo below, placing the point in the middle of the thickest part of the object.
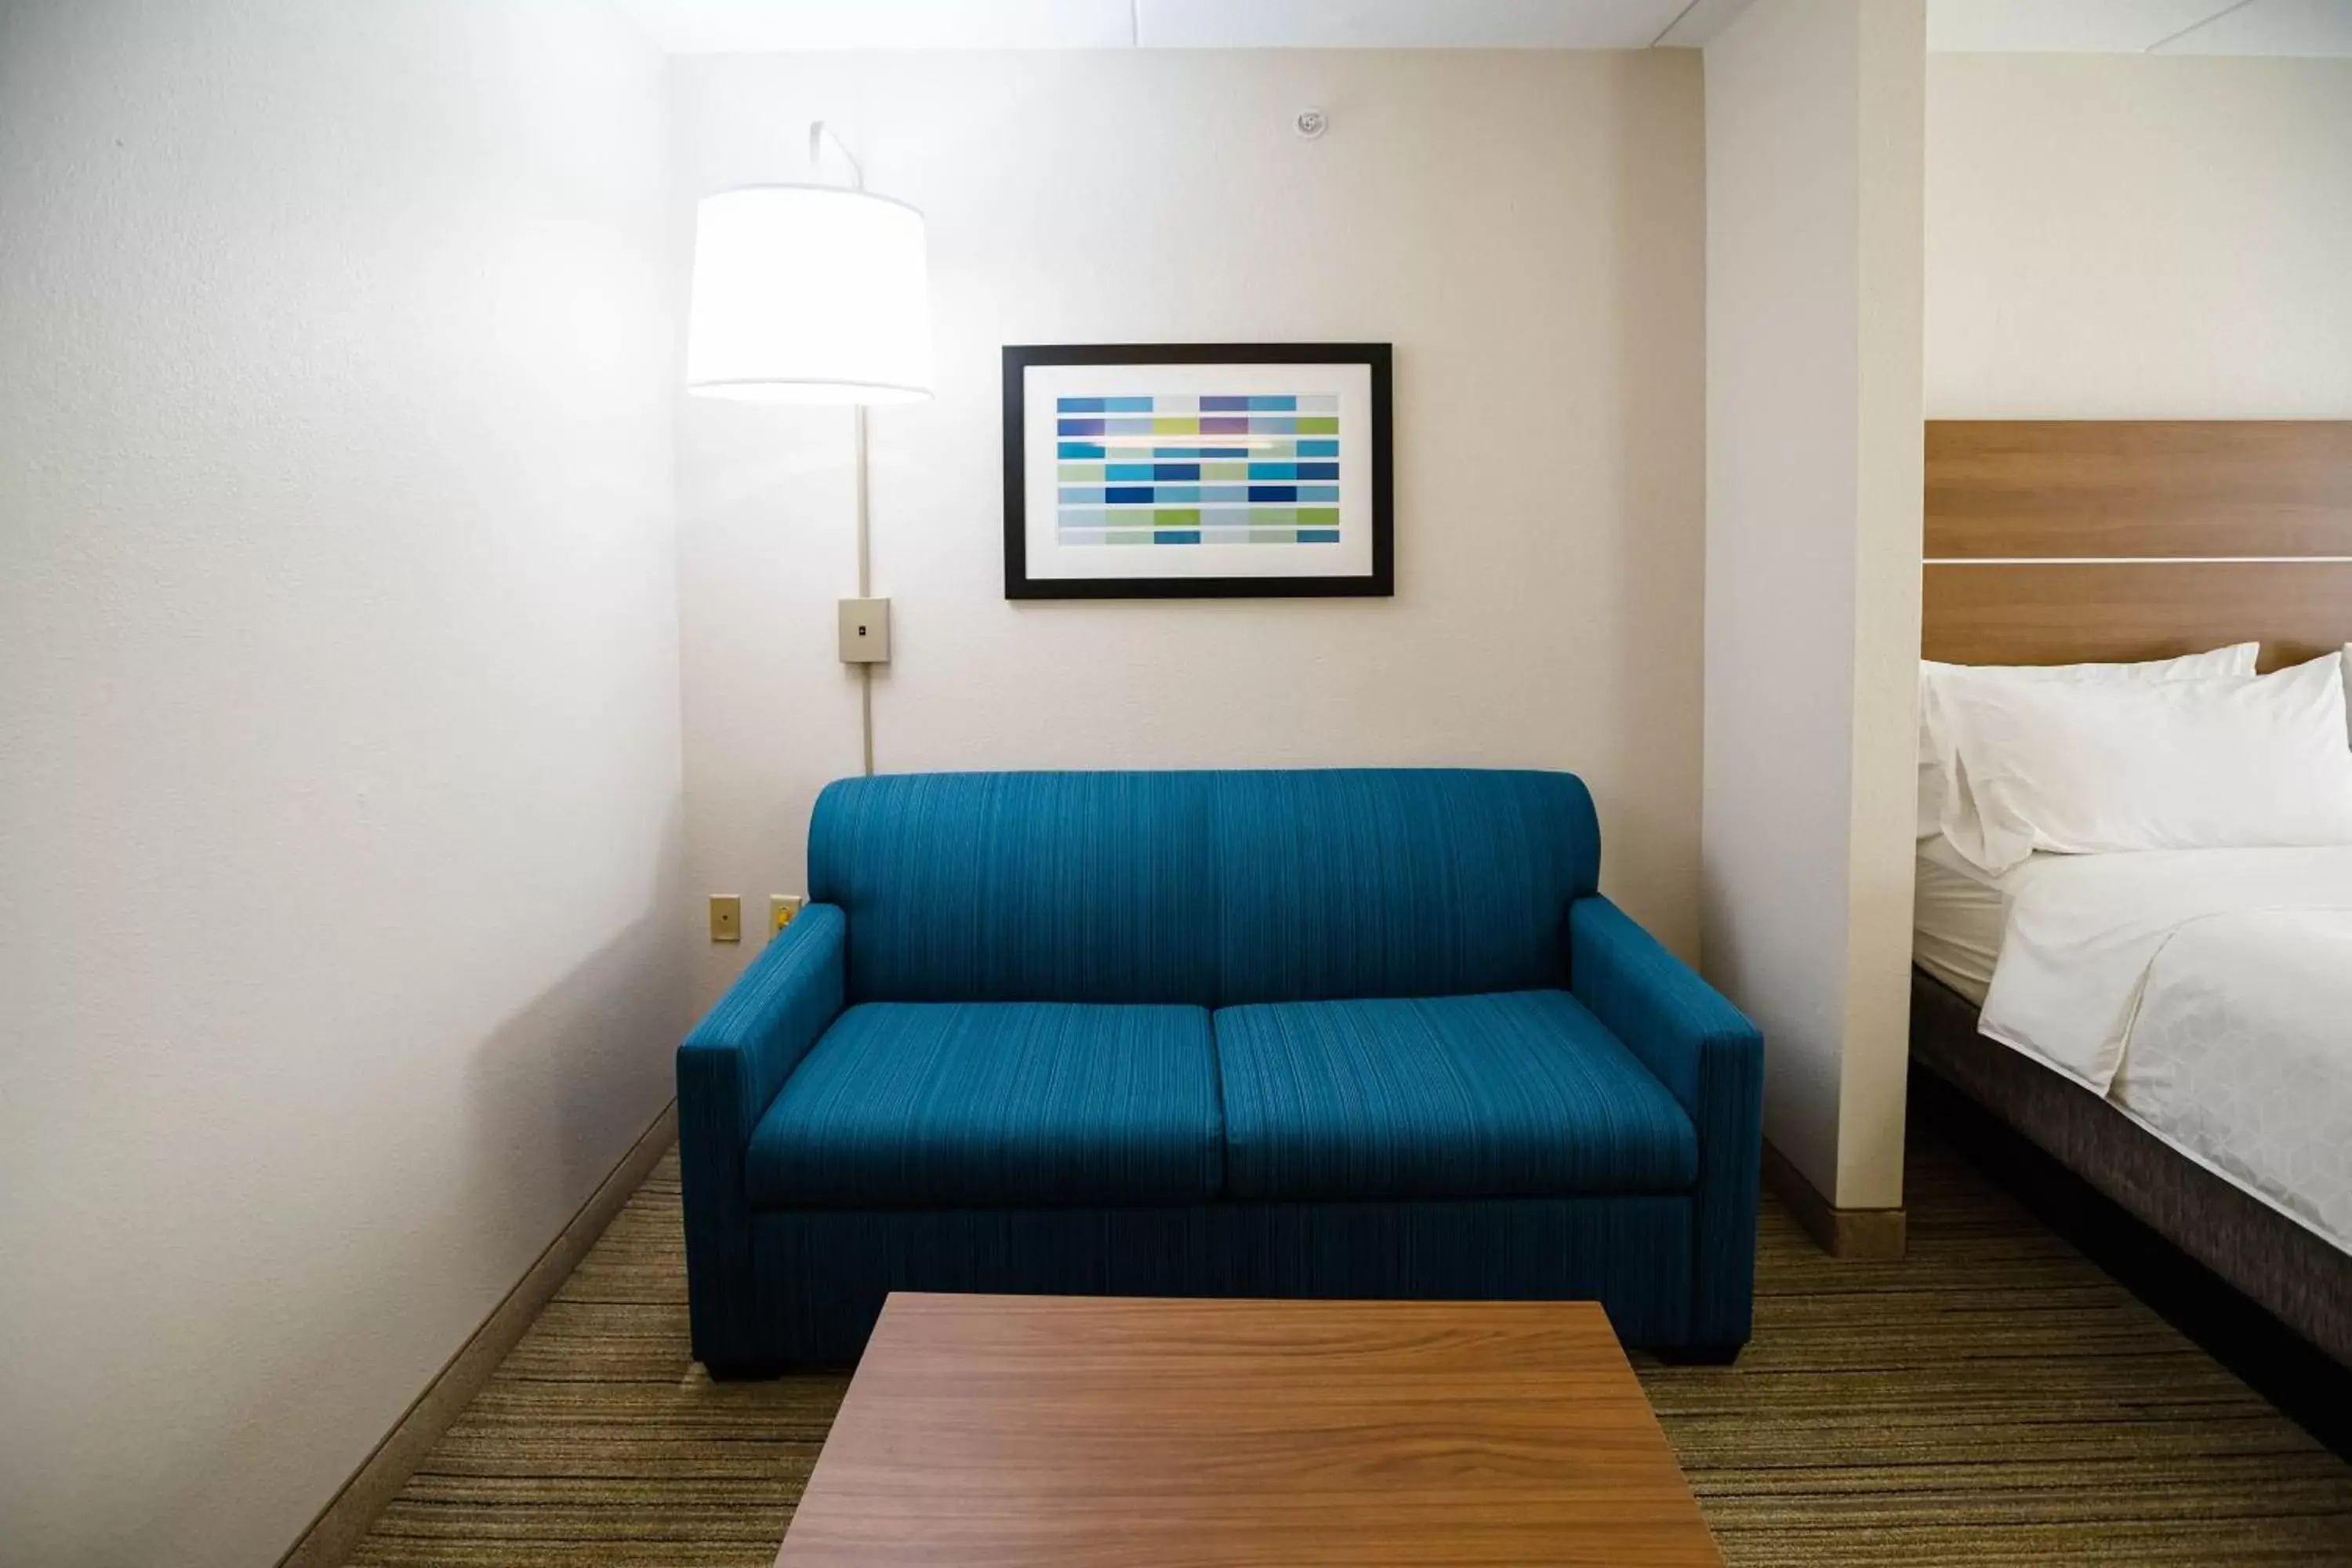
(1071, 1431)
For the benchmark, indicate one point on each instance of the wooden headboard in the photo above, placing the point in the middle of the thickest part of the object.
(2055, 541)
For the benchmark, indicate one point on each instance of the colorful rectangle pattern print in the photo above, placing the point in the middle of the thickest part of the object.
(1187, 468)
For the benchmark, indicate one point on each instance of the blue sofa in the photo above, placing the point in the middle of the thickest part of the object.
(1348, 1033)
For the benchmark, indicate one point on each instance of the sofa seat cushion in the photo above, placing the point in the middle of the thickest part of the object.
(1516, 1094)
(970, 1103)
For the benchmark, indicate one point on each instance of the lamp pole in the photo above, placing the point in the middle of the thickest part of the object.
(818, 135)
(865, 588)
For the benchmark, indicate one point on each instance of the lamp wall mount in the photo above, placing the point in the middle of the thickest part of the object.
(864, 631)
(819, 134)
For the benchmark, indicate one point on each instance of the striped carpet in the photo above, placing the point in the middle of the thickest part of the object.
(1992, 1399)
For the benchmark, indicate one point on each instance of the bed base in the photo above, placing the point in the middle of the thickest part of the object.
(2266, 1296)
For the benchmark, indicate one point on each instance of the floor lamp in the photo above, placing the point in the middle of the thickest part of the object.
(815, 294)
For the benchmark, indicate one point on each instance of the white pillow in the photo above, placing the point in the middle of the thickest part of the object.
(1935, 753)
(2085, 768)
(2348, 683)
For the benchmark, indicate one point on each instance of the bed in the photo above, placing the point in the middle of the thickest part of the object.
(2172, 1026)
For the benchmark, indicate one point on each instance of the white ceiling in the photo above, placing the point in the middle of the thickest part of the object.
(726, 26)
(2096, 27)
(2139, 27)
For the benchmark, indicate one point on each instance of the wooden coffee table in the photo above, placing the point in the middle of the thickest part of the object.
(1067, 1430)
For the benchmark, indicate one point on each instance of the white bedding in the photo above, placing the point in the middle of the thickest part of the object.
(2208, 993)
(1958, 912)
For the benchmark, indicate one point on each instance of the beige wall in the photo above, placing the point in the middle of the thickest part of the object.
(1889, 480)
(1813, 576)
(1525, 228)
(2122, 236)
(338, 742)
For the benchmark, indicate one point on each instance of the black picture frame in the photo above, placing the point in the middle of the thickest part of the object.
(1380, 582)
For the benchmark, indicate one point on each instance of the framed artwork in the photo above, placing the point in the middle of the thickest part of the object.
(1197, 471)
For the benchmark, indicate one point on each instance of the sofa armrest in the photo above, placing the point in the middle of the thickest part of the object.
(729, 1070)
(730, 1067)
(1708, 1053)
(1676, 1023)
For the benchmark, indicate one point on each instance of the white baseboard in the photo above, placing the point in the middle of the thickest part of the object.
(343, 1522)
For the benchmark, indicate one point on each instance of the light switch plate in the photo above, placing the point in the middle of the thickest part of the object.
(726, 918)
(864, 631)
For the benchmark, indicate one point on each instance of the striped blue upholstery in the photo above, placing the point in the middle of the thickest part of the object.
(1207, 888)
(1522, 1094)
(729, 1071)
(1705, 1050)
(1020, 887)
(1439, 1064)
(1397, 882)
(825, 1272)
(996, 1103)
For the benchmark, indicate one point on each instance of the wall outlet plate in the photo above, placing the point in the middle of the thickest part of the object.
(781, 908)
(864, 631)
(726, 918)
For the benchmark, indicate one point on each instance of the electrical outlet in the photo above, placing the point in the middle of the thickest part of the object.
(781, 908)
(726, 918)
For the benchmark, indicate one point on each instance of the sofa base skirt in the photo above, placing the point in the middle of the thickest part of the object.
(820, 1276)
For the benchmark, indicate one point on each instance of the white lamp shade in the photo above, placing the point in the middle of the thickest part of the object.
(809, 294)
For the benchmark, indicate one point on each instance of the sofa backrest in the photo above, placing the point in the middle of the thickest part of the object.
(1397, 881)
(1020, 887)
(1208, 888)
